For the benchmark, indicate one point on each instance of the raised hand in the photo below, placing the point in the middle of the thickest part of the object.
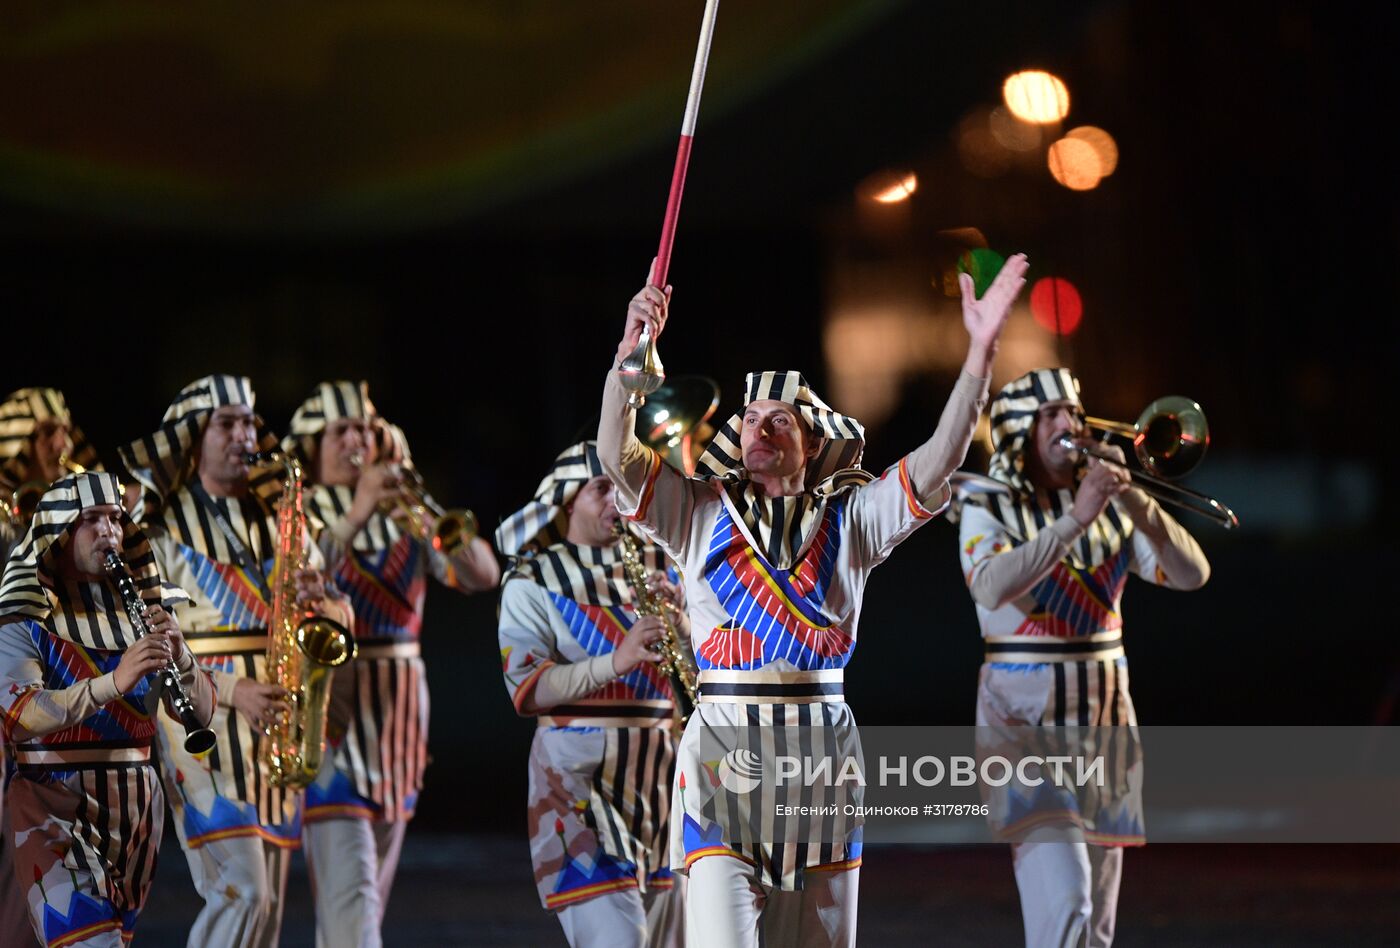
(985, 318)
(647, 310)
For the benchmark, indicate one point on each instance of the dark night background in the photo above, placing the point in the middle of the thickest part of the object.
(162, 218)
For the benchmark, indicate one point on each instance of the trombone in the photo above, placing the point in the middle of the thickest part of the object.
(1169, 438)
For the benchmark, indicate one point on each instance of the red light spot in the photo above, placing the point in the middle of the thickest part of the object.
(1056, 305)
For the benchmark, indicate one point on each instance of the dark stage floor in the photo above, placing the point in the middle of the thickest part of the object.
(477, 890)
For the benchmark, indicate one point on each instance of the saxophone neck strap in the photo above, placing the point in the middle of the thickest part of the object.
(242, 556)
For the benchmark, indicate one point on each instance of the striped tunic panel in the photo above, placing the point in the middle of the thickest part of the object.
(600, 796)
(85, 802)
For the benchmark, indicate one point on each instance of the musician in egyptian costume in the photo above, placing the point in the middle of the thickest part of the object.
(213, 527)
(1047, 543)
(776, 538)
(379, 548)
(77, 692)
(578, 658)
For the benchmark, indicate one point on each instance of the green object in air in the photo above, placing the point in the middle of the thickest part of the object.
(984, 265)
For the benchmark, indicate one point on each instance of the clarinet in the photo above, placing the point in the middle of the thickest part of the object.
(199, 740)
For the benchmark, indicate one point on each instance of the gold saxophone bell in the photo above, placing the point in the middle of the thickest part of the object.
(326, 642)
(1170, 438)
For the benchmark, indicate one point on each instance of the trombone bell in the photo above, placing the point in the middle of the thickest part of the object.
(1170, 438)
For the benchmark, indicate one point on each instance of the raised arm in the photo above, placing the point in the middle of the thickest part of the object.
(914, 490)
(648, 490)
(930, 464)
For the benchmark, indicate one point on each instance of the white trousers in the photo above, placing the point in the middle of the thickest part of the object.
(627, 919)
(727, 908)
(1069, 893)
(243, 882)
(352, 864)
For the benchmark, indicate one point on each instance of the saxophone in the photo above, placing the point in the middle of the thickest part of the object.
(676, 663)
(302, 649)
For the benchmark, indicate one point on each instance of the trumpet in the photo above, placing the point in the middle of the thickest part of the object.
(18, 508)
(199, 740)
(1169, 438)
(447, 531)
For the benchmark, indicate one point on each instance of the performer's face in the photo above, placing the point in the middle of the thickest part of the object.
(229, 436)
(99, 529)
(593, 514)
(344, 439)
(774, 441)
(51, 442)
(1053, 421)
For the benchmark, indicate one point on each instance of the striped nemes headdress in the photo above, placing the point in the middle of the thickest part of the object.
(89, 614)
(533, 538)
(544, 522)
(20, 415)
(332, 401)
(164, 460)
(1023, 509)
(844, 437)
(1013, 415)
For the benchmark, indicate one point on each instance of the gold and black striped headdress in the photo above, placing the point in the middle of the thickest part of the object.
(844, 437)
(20, 415)
(165, 459)
(1013, 415)
(330, 402)
(543, 522)
(533, 538)
(781, 526)
(87, 613)
(1023, 508)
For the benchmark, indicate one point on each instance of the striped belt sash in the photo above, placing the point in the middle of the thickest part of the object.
(1031, 649)
(386, 648)
(721, 686)
(81, 755)
(622, 713)
(227, 641)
